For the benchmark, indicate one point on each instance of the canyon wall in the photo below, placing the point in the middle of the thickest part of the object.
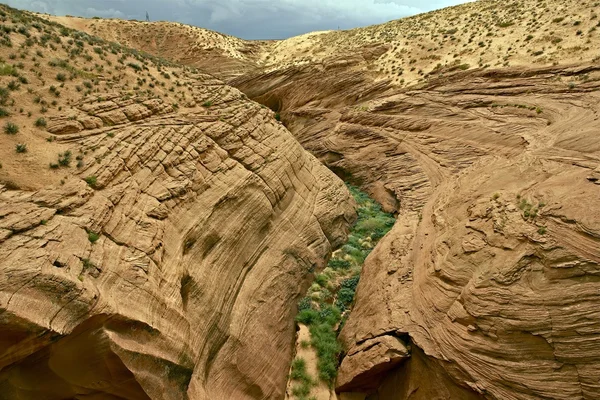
(174, 272)
(486, 287)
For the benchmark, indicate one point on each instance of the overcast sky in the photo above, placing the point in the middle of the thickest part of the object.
(248, 19)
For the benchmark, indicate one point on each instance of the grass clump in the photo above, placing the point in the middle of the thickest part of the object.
(21, 148)
(302, 379)
(8, 70)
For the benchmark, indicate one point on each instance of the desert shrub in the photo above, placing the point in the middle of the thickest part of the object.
(64, 159)
(8, 70)
(345, 297)
(40, 122)
(92, 181)
(307, 316)
(322, 280)
(350, 283)
(135, 66)
(13, 85)
(93, 237)
(302, 380)
(11, 128)
(337, 263)
(21, 148)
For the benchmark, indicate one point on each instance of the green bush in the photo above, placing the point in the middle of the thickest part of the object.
(322, 280)
(8, 70)
(336, 263)
(135, 66)
(64, 159)
(307, 316)
(345, 297)
(61, 77)
(92, 181)
(304, 304)
(298, 369)
(21, 148)
(93, 237)
(300, 375)
(350, 283)
(40, 122)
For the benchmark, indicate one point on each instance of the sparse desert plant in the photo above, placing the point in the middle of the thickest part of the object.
(40, 122)
(93, 237)
(11, 128)
(61, 77)
(8, 70)
(64, 159)
(92, 181)
(21, 148)
(13, 85)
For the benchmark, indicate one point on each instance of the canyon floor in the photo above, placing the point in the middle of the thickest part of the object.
(170, 196)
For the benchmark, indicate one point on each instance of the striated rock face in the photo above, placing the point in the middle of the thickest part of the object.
(210, 222)
(173, 273)
(495, 282)
(489, 275)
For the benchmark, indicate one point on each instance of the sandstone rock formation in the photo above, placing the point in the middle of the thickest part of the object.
(487, 286)
(168, 263)
(208, 228)
(494, 249)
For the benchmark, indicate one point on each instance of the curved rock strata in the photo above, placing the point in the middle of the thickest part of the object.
(174, 271)
(489, 275)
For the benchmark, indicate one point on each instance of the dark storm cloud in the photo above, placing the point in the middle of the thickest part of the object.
(249, 19)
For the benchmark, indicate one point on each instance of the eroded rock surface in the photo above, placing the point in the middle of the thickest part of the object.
(490, 269)
(174, 271)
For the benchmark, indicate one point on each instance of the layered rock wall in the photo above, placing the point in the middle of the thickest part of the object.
(173, 273)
